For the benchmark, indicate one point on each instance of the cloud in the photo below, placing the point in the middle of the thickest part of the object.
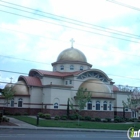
(42, 41)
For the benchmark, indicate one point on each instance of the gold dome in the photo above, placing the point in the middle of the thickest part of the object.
(72, 54)
(20, 88)
(97, 88)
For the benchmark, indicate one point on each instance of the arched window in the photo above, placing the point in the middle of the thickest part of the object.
(134, 114)
(81, 67)
(12, 102)
(71, 67)
(66, 82)
(105, 105)
(61, 67)
(89, 105)
(20, 102)
(70, 81)
(110, 106)
(56, 105)
(97, 105)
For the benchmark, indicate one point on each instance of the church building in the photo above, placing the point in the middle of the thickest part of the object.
(48, 91)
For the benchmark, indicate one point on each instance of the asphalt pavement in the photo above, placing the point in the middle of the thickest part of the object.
(15, 134)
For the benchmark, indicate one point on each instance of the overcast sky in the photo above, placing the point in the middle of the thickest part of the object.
(35, 34)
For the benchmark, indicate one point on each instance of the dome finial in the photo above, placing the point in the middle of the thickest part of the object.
(72, 41)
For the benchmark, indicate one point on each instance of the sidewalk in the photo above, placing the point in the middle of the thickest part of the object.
(23, 125)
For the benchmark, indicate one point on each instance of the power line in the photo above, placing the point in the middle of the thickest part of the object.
(13, 72)
(100, 29)
(124, 39)
(71, 27)
(70, 19)
(124, 5)
(58, 40)
(24, 59)
(49, 63)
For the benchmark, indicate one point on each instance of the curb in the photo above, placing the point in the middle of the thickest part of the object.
(63, 129)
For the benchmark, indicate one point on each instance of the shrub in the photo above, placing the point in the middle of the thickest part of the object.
(104, 120)
(25, 113)
(108, 119)
(81, 117)
(17, 114)
(0, 119)
(127, 119)
(87, 118)
(57, 117)
(73, 117)
(4, 119)
(7, 113)
(41, 115)
(97, 119)
(119, 119)
(63, 117)
(93, 119)
(133, 119)
(47, 116)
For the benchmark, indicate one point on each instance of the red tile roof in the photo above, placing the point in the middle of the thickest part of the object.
(115, 88)
(31, 81)
(52, 73)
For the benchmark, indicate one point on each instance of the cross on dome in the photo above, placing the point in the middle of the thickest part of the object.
(11, 80)
(72, 41)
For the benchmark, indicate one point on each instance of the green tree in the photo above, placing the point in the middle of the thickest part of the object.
(132, 102)
(8, 94)
(81, 98)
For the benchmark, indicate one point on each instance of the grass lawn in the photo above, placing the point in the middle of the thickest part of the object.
(74, 124)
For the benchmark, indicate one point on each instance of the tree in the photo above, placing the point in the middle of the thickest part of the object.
(8, 94)
(81, 98)
(133, 101)
(68, 111)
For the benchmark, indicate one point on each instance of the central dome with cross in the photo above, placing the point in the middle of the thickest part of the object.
(71, 60)
(72, 54)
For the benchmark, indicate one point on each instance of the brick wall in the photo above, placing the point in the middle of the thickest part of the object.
(54, 112)
(120, 114)
(22, 111)
(99, 114)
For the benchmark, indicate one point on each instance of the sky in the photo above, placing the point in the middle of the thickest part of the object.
(34, 32)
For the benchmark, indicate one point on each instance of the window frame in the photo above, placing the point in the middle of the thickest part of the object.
(105, 105)
(62, 67)
(98, 105)
(20, 102)
(89, 105)
(12, 102)
(70, 82)
(81, 68)
(71, 67)
(66, 82)
(55, 105)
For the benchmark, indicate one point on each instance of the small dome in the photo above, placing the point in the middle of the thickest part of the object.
(8, 85)
(97, 88)
(20, 88)
(115, 88)
(72, 54)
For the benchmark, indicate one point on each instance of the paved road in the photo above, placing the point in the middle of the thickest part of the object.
(12, 134)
